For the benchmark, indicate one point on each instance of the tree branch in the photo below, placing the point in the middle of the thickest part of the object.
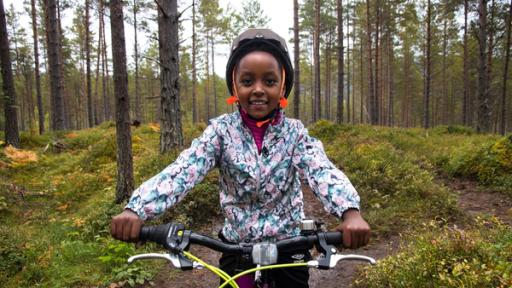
(161, 8)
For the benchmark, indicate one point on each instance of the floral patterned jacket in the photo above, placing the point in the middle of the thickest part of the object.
(260, 194)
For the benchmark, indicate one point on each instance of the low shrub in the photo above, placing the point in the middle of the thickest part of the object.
(447, 257)
(490, 165)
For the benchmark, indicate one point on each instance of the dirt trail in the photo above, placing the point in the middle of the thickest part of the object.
(471, 200)
(474, 200)
(341, 276)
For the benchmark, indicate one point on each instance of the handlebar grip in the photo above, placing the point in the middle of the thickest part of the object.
(333, 238)
(157, 234)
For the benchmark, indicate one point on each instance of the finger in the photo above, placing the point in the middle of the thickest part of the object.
(367, 238)
(113, 228)
(347, 238)
(355, 240)
(127, 226)
(134, 231)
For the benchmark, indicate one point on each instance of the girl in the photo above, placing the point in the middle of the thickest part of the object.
(262, 157)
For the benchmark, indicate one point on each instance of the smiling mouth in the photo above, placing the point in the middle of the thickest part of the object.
(258, 102)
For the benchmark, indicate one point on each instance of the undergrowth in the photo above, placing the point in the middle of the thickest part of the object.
(55, 211)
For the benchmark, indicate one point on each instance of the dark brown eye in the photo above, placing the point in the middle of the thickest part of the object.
(246, 82)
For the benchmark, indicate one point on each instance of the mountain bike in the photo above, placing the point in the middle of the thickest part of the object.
(177, 240)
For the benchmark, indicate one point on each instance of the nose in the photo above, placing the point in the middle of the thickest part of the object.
(258, 88)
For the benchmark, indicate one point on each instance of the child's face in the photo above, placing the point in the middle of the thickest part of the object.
(258, 81)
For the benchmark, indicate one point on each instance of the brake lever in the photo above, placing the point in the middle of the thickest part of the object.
(334, 259)
(173, 258)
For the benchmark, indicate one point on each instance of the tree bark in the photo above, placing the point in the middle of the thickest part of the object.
(316, 63)
(124, 185)
(195, 117)
(484, 119)
(36, 68)
(348, 67)
(214, 86)
(426, 97)
(53, 39)
(296, 59)
(378, 71)
(370, 102)
(341, 64)
(503, 125)
(138, 103)
(465, 101)
(11, 119)
(171, 135)
(90, 114)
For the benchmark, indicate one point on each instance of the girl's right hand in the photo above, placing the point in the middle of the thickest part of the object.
(126, 226)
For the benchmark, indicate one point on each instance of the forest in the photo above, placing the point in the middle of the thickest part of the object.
(411, 99)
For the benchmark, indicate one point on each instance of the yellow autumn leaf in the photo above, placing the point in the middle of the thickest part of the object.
(20, 157)
(71, 135)
(63, 207)
(154, 126)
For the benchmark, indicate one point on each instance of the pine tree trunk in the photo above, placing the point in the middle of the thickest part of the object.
(296, 59)
(444, 83)
(378, 93)
(391, 86)
(327, 89)
(426, 97)
(316, 63)
(36, 68)
(341, 71)
(484, 120)
(503, 126)
(88, 65)
(11, 120)
(105, 85)
(214, 86)
(138, 102)
(123, 133)
(171, 135)
(370, 102)
(194, 69)
(348, 68)
(54, 59)
(97, 77)
(207, 86)
(465, 101)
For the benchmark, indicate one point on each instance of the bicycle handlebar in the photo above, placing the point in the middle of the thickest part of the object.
(175, 238)
(160, 234)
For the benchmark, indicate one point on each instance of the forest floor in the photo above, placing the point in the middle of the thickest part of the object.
(472, 200)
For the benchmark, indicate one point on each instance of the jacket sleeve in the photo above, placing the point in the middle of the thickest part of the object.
(171, 185)
(329, 184)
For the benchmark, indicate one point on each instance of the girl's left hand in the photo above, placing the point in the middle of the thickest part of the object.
(356, 231)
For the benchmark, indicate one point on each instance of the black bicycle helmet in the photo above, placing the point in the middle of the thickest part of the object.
(258, 39)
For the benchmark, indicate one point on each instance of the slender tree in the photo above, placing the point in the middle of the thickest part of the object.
(371, 98)
(54, 58)
(124, 185)
(171, 135)
(316, 63)
(296, 59)
(341, 70)
(88, 64)
(484, 119)
(138, 102)
(428, 73)
(503, 121)
(11, 119)
(465, 98)
(195, 117)
(36, 67)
